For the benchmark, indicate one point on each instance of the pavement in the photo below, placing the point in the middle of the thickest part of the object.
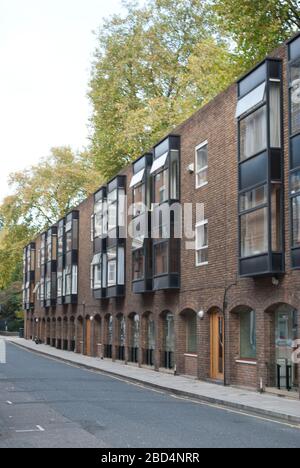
(265, 405)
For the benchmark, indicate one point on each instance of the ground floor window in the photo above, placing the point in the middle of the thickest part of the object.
(248, 334)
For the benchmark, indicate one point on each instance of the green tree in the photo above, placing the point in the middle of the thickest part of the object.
(152, 69)
(41, 195)
(256, 26)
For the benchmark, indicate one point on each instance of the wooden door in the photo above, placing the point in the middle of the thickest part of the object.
(217, 346)
(88, 337)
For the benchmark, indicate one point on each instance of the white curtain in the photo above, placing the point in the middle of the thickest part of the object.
(254, 133)
(275, 115)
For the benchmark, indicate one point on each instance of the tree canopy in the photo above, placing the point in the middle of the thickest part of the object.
(153, 68)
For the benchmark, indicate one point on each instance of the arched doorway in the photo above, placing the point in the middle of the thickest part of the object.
(168, 340)
(134, 338)
(43, 331)
(217, 358)
(108, 336)
(97, 336)
(53, 333)
(59, 333)
(121, 336)
(65, 334)
(283, 332)
(79, 336)
(88, 336)
(188, 343)
(72, 334)
(48, 332)
(149, 339)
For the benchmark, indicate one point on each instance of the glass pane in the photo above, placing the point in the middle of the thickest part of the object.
(248, 335)
(202, 256)
(254, 198)
(138, 265)
(202, 177)
(253, 133)
(296, 221)
(169, 333)
(151, 334)
(174, 255)
(251, 100)
(295, 97)
(295, 182)
(161, 259)
(136, 331)
(112, 216)
(139, 200)
(112, 272)
(275, 115)
(276, 218)
(202, 236)
(202, 157)
(254, 233)
(174, 180)
(161, 184)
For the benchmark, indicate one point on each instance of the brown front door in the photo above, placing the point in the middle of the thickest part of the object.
(217, 346)
(88, 337)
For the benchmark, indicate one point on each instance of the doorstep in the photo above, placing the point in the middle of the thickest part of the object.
(265, 405)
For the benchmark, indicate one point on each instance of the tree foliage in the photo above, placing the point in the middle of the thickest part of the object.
(256, 26)
(41, 195)
(152, 69)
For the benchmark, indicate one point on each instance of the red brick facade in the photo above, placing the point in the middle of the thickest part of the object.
(210, 288)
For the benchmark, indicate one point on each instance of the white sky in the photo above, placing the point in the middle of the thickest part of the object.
(46, 49)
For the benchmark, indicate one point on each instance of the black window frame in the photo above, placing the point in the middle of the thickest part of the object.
(293, 168)
(71, 256)
(271, 263)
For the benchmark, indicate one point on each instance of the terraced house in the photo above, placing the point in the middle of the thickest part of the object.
(228, 309)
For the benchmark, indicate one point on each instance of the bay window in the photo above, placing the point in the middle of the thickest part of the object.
(259, 114)
(99, 239)
(141, 239)
(29, 257)
(166, 193)
(115, 245)
(51, 267)
(60, 260)
(294, 91)
(70, 272)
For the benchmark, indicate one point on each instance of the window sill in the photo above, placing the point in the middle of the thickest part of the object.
(191, 355)
(201, 264)
(201, 186)
(247, 362)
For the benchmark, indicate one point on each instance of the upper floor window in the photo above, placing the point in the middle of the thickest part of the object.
(202, 243)
(253, 133)
(201, 165)
(295, 96)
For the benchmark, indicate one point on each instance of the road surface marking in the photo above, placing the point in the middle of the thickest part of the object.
(38, 429)
(9, 402)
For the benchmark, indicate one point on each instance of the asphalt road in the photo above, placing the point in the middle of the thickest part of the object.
(45, 403)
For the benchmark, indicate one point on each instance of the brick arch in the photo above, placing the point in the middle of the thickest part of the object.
(272, 308)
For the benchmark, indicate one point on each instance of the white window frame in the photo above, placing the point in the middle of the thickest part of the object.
(205, 168)
(200, 224)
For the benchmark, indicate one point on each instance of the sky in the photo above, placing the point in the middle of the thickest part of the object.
(46, 50)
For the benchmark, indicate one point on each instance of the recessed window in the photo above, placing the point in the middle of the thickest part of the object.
(191, 332)
(253, 133)
(201, 165)
(247, 335)
(202, 243)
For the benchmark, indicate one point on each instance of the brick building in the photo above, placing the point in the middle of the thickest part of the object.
(226, 310)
